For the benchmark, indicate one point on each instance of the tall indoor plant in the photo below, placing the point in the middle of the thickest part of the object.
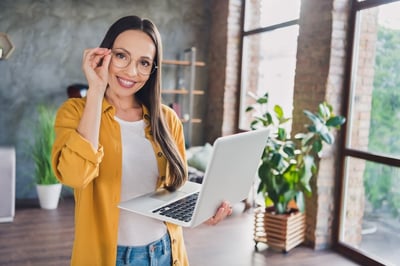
(288, 164)
(47, 185)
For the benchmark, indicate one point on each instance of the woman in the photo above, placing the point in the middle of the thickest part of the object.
(118, 142)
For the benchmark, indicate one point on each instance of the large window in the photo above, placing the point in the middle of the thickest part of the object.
(370, 213)
(269, 41)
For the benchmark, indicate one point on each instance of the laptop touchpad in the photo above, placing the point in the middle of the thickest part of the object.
(166, 195)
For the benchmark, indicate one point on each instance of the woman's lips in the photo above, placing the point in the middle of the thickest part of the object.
(125, 83)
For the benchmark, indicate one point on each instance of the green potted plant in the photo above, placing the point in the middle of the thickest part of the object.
(47, 185)
(288, 164)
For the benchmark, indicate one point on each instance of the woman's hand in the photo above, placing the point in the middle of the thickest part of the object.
(223, 211)
(95, 66)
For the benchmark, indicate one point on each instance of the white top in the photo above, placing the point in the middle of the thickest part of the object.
(139, 176)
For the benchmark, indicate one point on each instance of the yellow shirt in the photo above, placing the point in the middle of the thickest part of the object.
(96, 180)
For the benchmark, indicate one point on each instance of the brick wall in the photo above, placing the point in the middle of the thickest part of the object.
(217, 62)
(320, 76)
(224, 58)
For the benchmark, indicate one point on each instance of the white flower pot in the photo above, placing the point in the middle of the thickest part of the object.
(49, 195)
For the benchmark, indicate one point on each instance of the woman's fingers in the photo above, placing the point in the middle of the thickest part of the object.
(105, 63)
(223, 211)
(93, 57)
(95, 66)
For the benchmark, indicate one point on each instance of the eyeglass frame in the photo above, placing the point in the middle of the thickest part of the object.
(154, 66)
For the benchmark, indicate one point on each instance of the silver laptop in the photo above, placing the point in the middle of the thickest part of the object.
(229, 176)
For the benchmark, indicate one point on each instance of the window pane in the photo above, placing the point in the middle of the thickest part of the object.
(371, 212)
(268, 65)
(376, 99)
(262, 13)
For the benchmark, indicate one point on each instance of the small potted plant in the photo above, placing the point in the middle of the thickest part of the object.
(288, 164)
(47, 185)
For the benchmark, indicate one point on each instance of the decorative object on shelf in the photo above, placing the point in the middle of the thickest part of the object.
(177, 108)
(287, 165)
(47, 185)
(77, 90)
(186, 89)
(6, 46)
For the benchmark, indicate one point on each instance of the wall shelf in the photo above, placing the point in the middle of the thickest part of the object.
(193, 120)
(183, 63)
(187, 91)
(6, 45)
(181, 91)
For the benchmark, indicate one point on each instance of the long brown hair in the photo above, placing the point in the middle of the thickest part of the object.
(150, 95)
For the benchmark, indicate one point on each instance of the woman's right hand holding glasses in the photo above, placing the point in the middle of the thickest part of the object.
(95, 66)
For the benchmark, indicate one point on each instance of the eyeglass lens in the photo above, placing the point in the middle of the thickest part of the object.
(121, 59)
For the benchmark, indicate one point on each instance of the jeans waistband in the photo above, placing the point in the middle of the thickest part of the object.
(161, 245)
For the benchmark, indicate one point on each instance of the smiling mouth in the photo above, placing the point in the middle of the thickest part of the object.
(125, 83)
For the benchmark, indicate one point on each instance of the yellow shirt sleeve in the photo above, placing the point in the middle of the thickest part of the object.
(74, 161)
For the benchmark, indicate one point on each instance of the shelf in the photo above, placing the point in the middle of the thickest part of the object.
(182, 63)
(194, 120)
(6, 45)
(187, 70)
(181, 91)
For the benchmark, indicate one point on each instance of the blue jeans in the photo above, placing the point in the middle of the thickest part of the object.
(157, 253)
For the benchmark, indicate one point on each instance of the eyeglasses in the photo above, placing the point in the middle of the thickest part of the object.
(121, 59)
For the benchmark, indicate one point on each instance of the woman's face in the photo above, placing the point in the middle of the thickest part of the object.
(137, 50)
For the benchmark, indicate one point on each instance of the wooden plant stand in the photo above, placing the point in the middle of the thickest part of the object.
(279, 231)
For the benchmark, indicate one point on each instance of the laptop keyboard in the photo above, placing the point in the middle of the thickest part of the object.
(181, 209)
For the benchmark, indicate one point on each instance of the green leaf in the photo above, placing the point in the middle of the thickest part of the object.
(317, 146)
(306, 172)
(268, 202)
(281, 133)
(335, 121)
(324, 110)
(280, 208)
(249, 108)
(300, 201)
(327, 136)
(308, 139)
(253, 124)
(269, 118)
(311, 128)
(278, 112)
(289, 151)
(276, 160)
(262, 100)
(311, 116)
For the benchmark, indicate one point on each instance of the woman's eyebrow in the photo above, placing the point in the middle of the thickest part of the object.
(147, 57)
(120, 48)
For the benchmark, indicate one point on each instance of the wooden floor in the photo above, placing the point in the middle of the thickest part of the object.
(43, 237)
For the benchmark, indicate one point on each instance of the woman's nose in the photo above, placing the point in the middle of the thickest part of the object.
(132, 68)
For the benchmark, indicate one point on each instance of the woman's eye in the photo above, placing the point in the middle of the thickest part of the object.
(121, 56)
(145, 63)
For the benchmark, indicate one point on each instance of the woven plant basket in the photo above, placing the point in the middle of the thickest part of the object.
(279, 231)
